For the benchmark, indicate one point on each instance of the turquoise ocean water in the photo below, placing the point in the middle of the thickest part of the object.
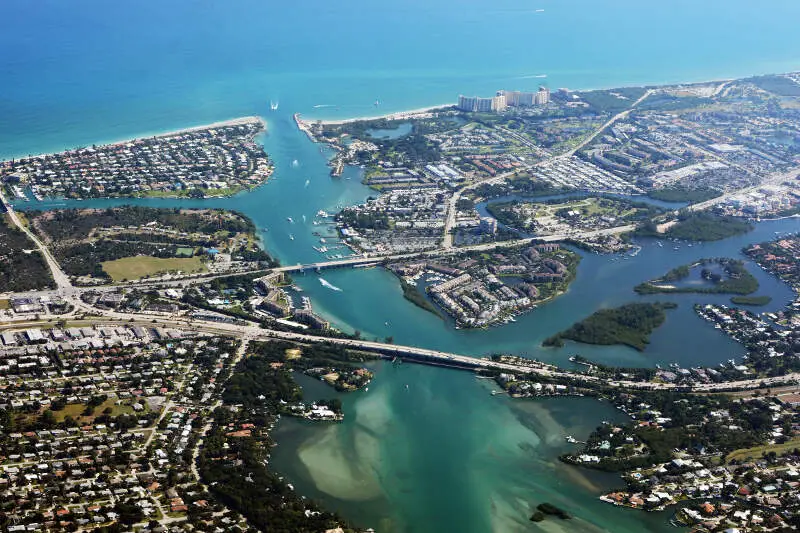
(442, 454)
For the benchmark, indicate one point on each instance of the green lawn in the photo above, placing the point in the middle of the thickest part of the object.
(130, 268)
(756, 452)
(75, 410)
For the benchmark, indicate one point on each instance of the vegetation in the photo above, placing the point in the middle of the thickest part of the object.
(780, 85)
(234, 463)
(590, 210)
(751, 300)
(630, 324)
(612, 101)
(78, 224)
(683, 194)
(247, 486)
(698, 226)
(130, 268)
(413, 295)
(523, 186)
(688, 426)
(89, 242)
(22, 267)
(734, 279)
(757, 452)
(550, 509)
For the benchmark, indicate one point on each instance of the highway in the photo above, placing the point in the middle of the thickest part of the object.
(253, 332)
(611, 121)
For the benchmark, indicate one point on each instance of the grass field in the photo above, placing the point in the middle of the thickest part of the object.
(75, 410)
(130, 268)
(5, 304)
(756, 452)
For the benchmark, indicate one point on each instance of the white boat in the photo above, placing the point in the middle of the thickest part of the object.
(273, 105)
(291, 237)
(289, 219)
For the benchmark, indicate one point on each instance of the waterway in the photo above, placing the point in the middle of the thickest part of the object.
(442, 454)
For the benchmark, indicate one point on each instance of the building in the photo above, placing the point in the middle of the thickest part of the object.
(488, 226)
(543, 96)
(467, 103)
(523, 99)
(499, 104)
(518, 99)
(476, 104)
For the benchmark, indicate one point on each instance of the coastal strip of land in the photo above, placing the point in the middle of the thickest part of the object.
(240, 121)
(218, 159)
(399, 115)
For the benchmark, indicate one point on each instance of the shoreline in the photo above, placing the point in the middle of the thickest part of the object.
(648, 85)
(219, 124)
(396, 115)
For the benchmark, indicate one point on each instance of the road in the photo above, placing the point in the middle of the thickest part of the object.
(253, 332)
(611, 121)
(62, 280)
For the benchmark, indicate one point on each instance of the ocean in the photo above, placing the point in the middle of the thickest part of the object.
(442, 454)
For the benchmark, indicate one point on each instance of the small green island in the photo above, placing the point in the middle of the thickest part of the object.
(630, 324)
(751, 300)
(544, 510)
(706, 276)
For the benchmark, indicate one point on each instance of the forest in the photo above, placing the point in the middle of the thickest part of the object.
(21, 270)
(76, 224)
(734, 279)
(630, 324)
(698, 226)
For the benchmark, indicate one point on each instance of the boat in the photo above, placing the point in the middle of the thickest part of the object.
(273, 105)
(289, 219)
(291, 237)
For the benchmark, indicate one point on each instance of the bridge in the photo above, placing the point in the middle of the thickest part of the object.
(380, 259)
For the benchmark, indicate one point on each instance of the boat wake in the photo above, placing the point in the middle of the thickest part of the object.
(328, 285)
(323, 105)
